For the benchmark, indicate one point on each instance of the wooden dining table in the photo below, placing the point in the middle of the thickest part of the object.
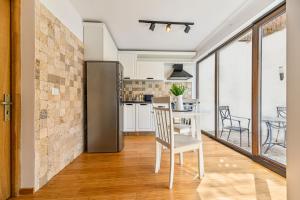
(195, 121)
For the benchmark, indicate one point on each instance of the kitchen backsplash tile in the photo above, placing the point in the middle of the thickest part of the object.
(156, 88)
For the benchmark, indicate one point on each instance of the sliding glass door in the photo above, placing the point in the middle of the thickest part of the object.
(206, 93)
(235, 78)
(242, 91)
(273, 89)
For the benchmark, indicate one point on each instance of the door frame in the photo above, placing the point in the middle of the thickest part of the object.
(15, 21)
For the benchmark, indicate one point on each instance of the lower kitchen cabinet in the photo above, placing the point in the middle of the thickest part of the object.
(129, 117)
(138, 118)
(143, 117)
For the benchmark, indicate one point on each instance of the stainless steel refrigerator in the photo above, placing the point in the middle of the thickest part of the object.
(104, 107)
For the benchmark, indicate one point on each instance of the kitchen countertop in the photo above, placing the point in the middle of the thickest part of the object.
(147, 102)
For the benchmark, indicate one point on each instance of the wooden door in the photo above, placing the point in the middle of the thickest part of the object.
(5, 158)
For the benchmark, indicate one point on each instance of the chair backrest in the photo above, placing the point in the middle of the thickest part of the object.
(224, 112)
(281, 112)
(163, 120)
(225, 115)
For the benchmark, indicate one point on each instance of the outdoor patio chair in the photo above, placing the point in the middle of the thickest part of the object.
(281, 113)
(234, 123)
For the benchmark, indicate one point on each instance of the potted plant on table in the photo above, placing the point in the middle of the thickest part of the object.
(178, 91)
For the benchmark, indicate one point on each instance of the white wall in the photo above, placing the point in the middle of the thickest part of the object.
(110, 50)
(67, 14)
(293, 99)
(27, 92)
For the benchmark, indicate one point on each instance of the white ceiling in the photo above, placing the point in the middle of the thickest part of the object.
(121, 17)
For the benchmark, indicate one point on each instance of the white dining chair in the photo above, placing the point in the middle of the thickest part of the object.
(176, 143)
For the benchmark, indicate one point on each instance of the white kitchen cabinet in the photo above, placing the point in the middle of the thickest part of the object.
(128, 60)
(150, 70)
(138, 118)
(98, 43)
(129, 118)
(143, 117)
(152, 119)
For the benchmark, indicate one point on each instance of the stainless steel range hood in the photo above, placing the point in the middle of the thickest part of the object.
(179, 74)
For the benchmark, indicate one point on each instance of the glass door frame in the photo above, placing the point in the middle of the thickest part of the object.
(256, 90)
(256, 98)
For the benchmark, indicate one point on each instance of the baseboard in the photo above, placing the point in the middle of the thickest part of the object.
(26, 191)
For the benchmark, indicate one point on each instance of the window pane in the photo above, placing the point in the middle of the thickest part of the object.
(273, 89)
(235, 84)
(207, 94)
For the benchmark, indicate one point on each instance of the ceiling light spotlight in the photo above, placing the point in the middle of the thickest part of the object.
(187, 29)
(152, 26)
(168, 27)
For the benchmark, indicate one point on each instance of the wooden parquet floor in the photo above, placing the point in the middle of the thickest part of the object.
(130, 175)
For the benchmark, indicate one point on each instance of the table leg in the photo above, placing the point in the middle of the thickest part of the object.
(270, 137)
(193, 127)
(197, 127)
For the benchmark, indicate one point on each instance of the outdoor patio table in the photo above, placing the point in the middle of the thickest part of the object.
(273, 123)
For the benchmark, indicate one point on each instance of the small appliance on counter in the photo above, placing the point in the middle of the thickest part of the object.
(148, 97)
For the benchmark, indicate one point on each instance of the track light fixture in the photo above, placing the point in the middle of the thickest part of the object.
(168, 28)
(187, 29)
(168, 24)
(152, 26)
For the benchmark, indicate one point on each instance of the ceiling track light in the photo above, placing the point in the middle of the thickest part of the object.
(168, 24)
(168, 28)
(187, 29)
(152, 26)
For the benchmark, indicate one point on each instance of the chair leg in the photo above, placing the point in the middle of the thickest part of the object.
(228, 135)
(248, 138)
(158, 157)
(221, 132)
(240, 138)
(193, 128)
(284, 143)
(181, 158)
(278, 131)
(200, 161)
(171, 177)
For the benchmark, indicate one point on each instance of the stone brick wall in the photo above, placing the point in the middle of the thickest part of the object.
(59, 135)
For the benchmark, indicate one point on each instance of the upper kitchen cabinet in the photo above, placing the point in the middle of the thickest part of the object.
(98, 43)
(150, 70)
(128, 60)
